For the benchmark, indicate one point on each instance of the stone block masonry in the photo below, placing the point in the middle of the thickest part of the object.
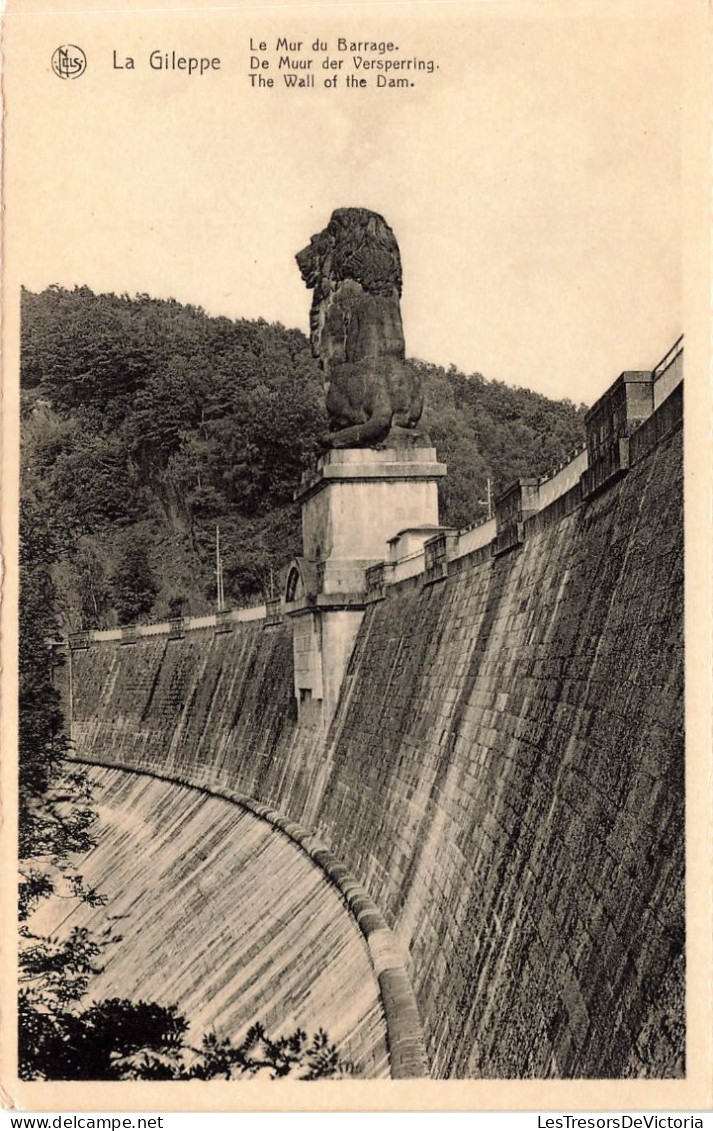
(353, 505)
(176, 864)
(503, 773)
(193, 706)
(506, 778)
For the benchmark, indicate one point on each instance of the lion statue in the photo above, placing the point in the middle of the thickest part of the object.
(354, 268)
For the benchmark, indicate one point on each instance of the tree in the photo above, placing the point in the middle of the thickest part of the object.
(48, 824)
(107, 1041)
(134, 584)
(112, 1039)
(118, 1039)
(55, 813)
(297, 1054)
(94, 592)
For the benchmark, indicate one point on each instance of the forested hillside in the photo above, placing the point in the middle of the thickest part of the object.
(146, 423)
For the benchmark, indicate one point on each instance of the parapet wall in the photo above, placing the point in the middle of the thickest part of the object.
(504, 772)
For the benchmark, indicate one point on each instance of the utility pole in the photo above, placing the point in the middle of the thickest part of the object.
(489, 500)
(70, 690)
(218, 569)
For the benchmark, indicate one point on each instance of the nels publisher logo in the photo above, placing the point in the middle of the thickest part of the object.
(69, 61)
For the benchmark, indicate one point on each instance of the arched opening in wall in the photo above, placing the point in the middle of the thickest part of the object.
(293, 584)
(302, 579)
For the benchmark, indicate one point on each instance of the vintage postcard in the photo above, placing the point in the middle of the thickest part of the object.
(356, 610)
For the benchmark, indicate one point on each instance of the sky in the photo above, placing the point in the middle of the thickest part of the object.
(532, 181)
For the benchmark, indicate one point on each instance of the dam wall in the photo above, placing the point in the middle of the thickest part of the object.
(184, 876)
(505, 775)
(209, 706)
(504, 769)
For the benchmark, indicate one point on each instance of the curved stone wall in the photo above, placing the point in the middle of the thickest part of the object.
(504, 773)
(223, 915)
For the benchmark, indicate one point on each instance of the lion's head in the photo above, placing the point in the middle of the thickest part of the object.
(358, 245)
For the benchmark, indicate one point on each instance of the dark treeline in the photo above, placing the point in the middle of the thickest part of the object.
(147, 422)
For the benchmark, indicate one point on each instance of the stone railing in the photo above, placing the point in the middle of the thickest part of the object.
(176, 628)
(668, 373)
(637, 410)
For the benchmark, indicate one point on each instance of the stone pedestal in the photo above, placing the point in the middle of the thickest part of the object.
(356, 501)
(353, 505)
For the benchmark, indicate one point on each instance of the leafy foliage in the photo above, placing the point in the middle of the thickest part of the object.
(114, 1039)
(53, 822)
(296, 1054)
(55, 811)
(107, 1041)
(118, 1039)
(134, 584)
(150, 422)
